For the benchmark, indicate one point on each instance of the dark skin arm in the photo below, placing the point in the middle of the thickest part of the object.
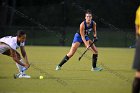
(15, 57)
(23, 52)
(137, 31)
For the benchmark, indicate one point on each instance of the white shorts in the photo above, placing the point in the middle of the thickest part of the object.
(3, 47)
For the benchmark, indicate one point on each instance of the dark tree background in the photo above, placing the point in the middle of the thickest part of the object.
(120, 13)
(114, 18)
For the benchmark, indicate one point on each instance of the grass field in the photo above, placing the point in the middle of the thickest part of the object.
(75, 76)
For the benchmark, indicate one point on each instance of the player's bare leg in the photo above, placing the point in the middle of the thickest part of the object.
(69, 55)
(73, 49)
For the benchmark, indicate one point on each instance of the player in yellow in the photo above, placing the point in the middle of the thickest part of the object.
(136, 64)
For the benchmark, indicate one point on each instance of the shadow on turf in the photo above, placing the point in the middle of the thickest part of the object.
(69, 69)
(4, 77)
(64, 78)
(126, 71)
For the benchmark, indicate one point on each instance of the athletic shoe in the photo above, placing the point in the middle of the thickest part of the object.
(58, 68)
(96, 69)
(24, 76)
(21, 75)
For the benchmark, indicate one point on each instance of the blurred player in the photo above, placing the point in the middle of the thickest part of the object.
(136, 64)
(8, 46)
(82, 37)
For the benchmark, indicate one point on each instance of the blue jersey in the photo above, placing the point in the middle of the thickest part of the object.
(89, 28)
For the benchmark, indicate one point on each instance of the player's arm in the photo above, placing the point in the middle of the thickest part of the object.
(137, 31)
(95, 32)
(83, 34)
(15, 57)
(94, 29)
(23, 52)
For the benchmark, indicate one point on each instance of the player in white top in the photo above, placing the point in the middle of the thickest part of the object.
(8, 46)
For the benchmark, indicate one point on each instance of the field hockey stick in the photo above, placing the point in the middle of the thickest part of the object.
(94, 40)
(85, 51)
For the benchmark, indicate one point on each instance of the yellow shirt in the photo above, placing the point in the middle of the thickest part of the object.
(137, 20)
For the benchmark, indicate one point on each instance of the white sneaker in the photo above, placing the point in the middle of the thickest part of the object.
(58, 68)
(24, 76)
(96, 69)
(21, 75)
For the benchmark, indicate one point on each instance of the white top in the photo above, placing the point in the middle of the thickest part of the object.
(11, 41)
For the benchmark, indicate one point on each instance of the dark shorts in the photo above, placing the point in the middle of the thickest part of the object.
(77, 38)
(136, 63)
